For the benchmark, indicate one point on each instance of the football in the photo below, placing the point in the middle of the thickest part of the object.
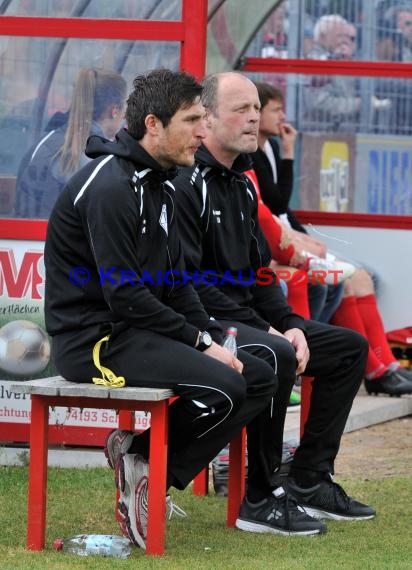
(24, 348)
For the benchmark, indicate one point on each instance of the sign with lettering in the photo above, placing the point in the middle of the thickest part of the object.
(326, 172)
(384, 170)
(15, 409)
(24, 343)
(25, 349)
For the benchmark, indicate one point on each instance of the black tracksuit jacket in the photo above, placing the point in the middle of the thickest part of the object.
(116, 220)
(220, 233)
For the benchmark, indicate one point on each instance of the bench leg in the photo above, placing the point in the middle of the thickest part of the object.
(126, 420)
(36, 521)
(156, 524)
(237, 472)
(305, 395)
(201, 483)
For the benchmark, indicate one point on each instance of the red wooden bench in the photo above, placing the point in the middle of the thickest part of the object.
(57, 391)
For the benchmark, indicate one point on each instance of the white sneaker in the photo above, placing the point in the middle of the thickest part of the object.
(117, 444)
(132, 472)
(329, 272)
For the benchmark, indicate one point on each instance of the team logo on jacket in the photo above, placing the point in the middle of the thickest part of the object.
(217, 214)
(163, 218)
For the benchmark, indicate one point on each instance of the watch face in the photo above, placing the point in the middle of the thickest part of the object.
(206, 339)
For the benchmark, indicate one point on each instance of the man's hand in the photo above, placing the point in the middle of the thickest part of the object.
(275, 332)
(380, 104)
(298, 341)
(288, 136)
(308, 243)
(223, 355)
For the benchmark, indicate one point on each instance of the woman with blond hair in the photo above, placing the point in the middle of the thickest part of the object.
(96, 109)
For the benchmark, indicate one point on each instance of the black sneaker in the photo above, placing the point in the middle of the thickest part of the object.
(392, 383)
(404, 373)
(327, 500)
(278, 514)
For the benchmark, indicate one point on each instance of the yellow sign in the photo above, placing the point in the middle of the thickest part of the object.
(334, 177)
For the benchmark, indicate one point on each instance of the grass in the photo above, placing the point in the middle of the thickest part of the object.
(82, 501)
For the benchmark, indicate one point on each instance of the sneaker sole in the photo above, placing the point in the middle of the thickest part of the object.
(319, 514)
(127, 501)
(249, 526)
(292, 409)
(390, 394)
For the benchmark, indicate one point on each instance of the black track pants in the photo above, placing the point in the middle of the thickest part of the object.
(265, 432)
(337, 362)
(215, 401)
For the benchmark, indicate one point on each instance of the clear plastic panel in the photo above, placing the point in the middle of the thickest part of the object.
(121, 9)
(38, 75)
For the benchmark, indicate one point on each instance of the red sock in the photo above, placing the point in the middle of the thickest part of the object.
(298, 294)
(369, 312)
(347, 315)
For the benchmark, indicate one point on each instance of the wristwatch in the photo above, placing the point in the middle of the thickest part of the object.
(205, 341)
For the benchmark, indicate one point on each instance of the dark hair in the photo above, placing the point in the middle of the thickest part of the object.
(94, 91)
(268, 92)
(160, 92)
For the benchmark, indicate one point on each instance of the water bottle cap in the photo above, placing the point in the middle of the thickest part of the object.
(58, 544)
(232, 330)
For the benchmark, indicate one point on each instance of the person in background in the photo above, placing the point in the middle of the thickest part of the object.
(97, 107)
(398, 119)
(346, 47)
(359, 311)
(354, 305)
(333, 102)
(274, 173)
(127, 317)
(275, 41)
(293, 266)
(220, 233)
(399, 18)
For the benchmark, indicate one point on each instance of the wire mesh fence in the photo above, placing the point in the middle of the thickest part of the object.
(351, 30)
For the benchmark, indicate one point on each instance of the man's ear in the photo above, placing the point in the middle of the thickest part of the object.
(112, 111)
(152, 124)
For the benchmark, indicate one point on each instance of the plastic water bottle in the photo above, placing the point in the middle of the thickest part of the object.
(95, 545)
(230, 341)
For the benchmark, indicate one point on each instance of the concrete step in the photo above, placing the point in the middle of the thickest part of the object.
(366, 411)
